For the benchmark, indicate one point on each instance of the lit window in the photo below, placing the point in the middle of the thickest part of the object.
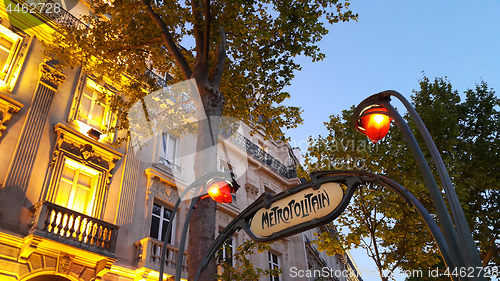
(93, 112)
(159, 222)
(76, 187)
(225, 253)
(9, 47)
(6, 51)
(168, 151)
(273, 264)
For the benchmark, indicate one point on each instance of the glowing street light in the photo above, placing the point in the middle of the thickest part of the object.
(374, 123)
(220, 191)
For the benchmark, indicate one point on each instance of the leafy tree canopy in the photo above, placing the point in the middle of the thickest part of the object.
(393, 234)
(243, 51)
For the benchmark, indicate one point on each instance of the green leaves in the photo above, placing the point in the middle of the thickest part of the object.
(262, 40)
(243, 269)
(466, 133)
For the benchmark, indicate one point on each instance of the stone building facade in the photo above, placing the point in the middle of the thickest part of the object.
(74, 207)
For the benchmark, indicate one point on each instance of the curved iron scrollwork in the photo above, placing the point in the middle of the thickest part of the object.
(351, 179)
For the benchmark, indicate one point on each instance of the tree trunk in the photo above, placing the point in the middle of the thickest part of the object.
(202, 224)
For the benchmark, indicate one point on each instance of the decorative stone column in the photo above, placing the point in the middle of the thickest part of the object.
(23, 160)
(131, 173)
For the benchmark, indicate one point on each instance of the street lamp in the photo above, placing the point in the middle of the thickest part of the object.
(219, 186)
(460, 242)
(374, 123)
(220, 190)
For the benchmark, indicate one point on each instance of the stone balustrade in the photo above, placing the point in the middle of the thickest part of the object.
(64, 225)
(148, 256)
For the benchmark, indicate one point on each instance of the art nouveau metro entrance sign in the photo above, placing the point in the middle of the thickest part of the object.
(309, 205)
(298, 208)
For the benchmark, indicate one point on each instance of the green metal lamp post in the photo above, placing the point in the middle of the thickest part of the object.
(372, 118)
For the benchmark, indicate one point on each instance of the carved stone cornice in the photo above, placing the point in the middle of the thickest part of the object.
(64, 265)
(161, 186)
(50, 76)
(86, 150)
(8, 106)
(251, 189)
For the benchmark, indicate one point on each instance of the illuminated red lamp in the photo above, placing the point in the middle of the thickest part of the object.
(220, 191)
(374, 123)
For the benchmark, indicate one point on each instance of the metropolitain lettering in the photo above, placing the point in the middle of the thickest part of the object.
(311, 203)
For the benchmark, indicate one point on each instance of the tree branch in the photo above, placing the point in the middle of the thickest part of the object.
(168, 40)
(156, 40)
(218, 69)
(206, 39)
(198, 35)
(493, 249)
(268, 46)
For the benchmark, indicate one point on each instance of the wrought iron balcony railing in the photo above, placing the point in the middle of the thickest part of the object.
(170, 164)
(160, 82)
(148, 256)
(251, 148)
(63, 225)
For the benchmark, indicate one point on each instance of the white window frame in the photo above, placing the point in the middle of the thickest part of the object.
(272, 264)
(263, 146)
(9, 72)
(84, 124)
(165, 147)
(162, 219)
(222, 167)
(224, 252)
(106, 119)
(79, 169)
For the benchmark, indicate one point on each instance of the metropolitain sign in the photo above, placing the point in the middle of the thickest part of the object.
(302, 207)
(298, 208)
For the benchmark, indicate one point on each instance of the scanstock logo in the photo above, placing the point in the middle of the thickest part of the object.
(30, 13)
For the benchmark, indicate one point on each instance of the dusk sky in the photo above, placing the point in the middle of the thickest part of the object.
(389, 48)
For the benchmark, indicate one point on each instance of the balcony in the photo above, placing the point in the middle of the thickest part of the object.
(63, 225)
(288, 172)
(148, 256)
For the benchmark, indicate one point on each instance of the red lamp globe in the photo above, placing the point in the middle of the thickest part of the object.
(220, 191)
(374, 123)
